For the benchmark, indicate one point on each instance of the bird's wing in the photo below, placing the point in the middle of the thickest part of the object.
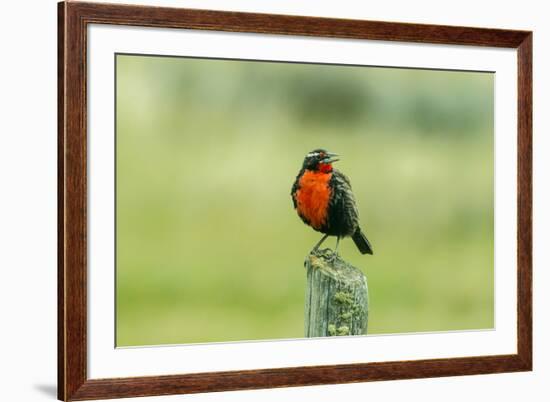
(343, 177)
(343, 200)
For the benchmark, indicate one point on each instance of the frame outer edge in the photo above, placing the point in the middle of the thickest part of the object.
(525, 192)
(60, 201)
(73, 201)
(73, 384)
(280, 24)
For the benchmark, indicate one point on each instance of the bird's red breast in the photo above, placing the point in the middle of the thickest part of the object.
(313, 196)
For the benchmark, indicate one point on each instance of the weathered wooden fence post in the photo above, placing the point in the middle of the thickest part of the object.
(336, 297)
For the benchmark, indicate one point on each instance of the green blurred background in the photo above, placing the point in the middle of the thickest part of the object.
(209, 247)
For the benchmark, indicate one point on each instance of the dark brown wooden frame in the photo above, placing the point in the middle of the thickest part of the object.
(73, 19)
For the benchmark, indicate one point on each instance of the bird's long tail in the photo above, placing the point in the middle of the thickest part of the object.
(362, 242)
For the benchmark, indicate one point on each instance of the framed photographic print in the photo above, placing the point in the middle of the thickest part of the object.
(253, 201)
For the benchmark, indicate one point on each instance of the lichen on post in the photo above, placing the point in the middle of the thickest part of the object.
(336, 296)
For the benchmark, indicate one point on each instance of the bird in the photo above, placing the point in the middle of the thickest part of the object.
(323, 198)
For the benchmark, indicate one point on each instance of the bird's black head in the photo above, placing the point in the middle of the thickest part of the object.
(319, 160)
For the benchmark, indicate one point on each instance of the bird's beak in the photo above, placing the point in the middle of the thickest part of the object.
(330, 158)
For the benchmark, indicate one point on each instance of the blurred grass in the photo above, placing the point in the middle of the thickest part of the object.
(209, 247)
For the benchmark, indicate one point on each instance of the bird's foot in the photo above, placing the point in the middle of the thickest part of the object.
(333, 256)
(326, 253)
(321, 252)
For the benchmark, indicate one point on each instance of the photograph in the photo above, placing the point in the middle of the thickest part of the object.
(268, 200)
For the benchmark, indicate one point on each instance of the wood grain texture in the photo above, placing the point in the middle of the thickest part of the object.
(296, 25)
(72, 206)
(60, 202)
(295, 376)
(337, 298)
(73, 200)
(524, 201)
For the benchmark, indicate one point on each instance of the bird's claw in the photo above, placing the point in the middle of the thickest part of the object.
(333, 257)
(327, 254)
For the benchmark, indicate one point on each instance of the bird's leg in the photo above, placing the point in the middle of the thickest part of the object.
(334, 255)
(320, 242)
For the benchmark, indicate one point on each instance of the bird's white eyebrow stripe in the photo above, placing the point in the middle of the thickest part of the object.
(313, 154)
